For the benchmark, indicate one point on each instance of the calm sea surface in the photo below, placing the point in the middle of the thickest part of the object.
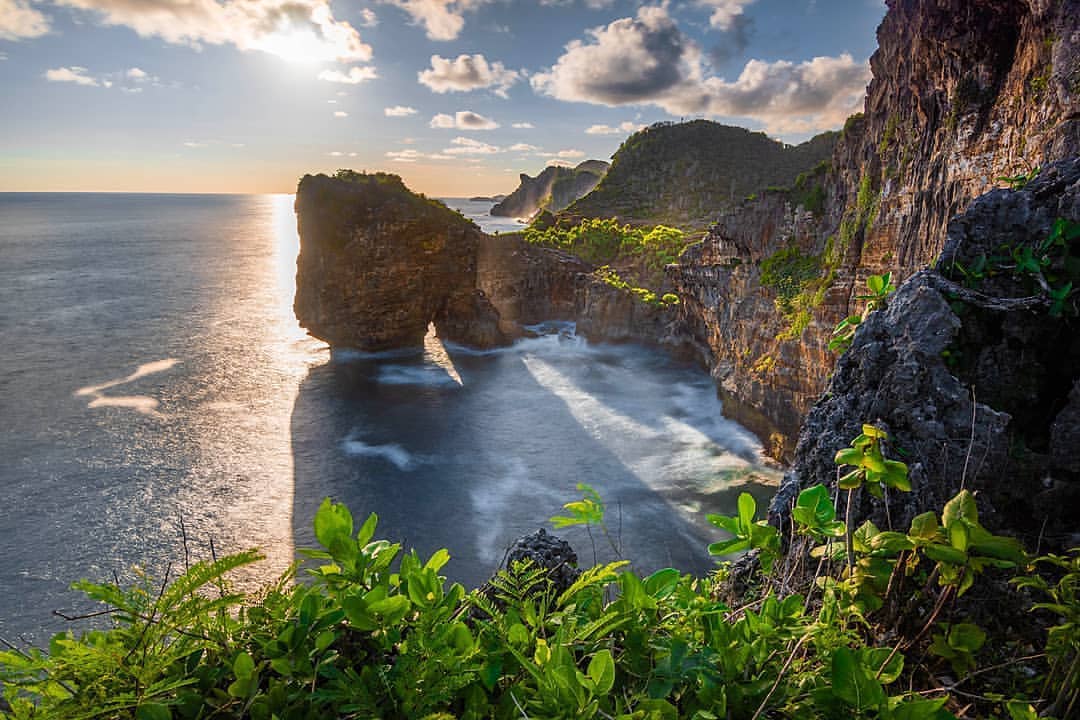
(152, 372)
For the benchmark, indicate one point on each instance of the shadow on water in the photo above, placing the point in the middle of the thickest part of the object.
(472, 453)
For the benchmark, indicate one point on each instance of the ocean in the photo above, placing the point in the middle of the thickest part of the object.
(159, 402)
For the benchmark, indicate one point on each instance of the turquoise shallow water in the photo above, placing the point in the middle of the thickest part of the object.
(151, 371)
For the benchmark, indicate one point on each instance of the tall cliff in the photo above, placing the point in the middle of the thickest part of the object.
(553, 189)
(684, 173)
(962, 94)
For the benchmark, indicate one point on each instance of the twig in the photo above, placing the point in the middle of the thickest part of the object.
(971, 443)
(780, 676)
(520, 709)
(75, 618)
(19, 650)
(183, 538)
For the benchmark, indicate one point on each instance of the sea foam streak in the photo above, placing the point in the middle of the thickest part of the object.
(139, 403)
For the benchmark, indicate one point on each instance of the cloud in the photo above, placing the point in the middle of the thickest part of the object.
(18, 21)
(340, 114)
(3, 56)
(297, 29)
(335, 153)
(647, 60)
(523, 147)
(415, 155)
(468, 146)
(565, 154)
(368, 18)
(725, 12)
(442, 19)
(620, 129)
(355, 76)
(137, 74)
(465, 73)
(399, 111)
(523, 126)
(194, 144)
(463, 120)
(74, 74)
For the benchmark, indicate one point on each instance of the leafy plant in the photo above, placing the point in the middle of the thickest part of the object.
(879, 287)
(748, 533)
(1019, 182)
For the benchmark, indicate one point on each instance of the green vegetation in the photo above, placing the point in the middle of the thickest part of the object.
(799, 284)
(377, 632)
(643, 251)
(683, 174)
(880, 287)
(1019, 182)
(1049, 267)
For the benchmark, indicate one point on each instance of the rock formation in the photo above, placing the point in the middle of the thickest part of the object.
(976, 379)
(379, 263)
(962, 94)
(552, 190)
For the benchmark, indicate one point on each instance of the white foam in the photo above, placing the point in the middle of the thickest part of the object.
(139, 403)
(395, 454)
(429, 375)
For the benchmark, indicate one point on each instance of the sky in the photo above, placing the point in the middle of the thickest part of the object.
(456, 96)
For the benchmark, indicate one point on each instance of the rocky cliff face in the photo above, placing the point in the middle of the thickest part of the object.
(963, 93)
(552, 190)
(976, 379)
(379, 263)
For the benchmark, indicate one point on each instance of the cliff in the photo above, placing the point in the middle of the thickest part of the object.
(975, 374)
(685, 173)
(962, 94)
(378, 264)
(553, 189)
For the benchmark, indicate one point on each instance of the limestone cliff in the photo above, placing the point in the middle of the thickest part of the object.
(976, 376)
(685, 173)
(553, 189)
(379, 263)
(962, 94)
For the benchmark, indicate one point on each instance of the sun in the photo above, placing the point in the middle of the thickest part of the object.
(298, 45)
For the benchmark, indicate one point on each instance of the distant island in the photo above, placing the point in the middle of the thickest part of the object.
(553, 189)
(484, 198)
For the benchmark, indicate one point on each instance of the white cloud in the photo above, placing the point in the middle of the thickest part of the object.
(137, 74)
(442, 121)
(523, 147)
(468, 146)
(294, 29)
(415, 155)
(647, 60)
(3, 56)
(442, 19)
(355, 76)
(399, 111)
(74, 74)
(18, 21)
(331, 102)
(564, 154)
(523, 126)
(368, 18)
(620, 129)
(724, 11)
(340, 114)
(194, 144)
(335, 153)
(463, 120)
(467, 72)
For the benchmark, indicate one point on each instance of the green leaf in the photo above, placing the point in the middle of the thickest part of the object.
(367, 530)
(961, 507)
(945, 554)
(747, 509)
(440, 558)
(662, 582)
(924, 526)
(967, 637)
(602, 671)
(848, 456)
(243, 666)
(874, 660)
(852, 481)
(874, 432)
(153, 711)
(332, 520)
(876, 283)
(852, 683)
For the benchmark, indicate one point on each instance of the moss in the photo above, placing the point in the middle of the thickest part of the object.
(889, 133)
(788, 271)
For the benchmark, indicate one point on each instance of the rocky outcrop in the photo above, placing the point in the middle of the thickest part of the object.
(962, 94)
(975, 378)
(685, 173)
(378, 264)
(553, 189)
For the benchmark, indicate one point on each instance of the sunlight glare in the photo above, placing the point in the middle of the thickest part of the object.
(298, 46)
